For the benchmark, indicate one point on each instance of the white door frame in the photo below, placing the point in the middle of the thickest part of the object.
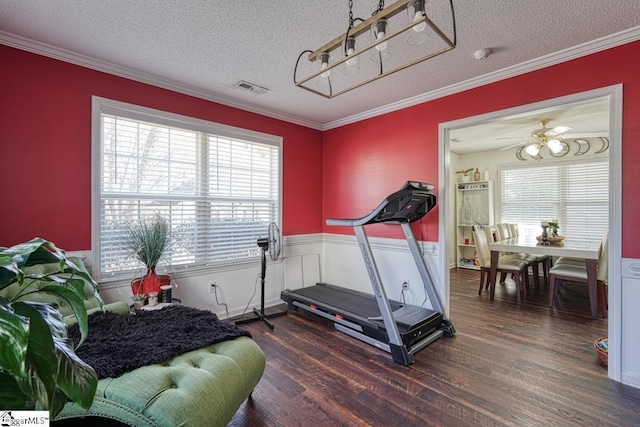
(614, 95)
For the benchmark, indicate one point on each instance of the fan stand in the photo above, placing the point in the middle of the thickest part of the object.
(260, 314)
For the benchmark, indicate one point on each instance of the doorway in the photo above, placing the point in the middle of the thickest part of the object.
(613, 97)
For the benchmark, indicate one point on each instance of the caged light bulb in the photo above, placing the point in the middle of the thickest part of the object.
(324, 57)
(380, 30)
(383, 45)
(351, 45)
(418, 28)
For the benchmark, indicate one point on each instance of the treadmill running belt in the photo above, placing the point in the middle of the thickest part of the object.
(364, 305)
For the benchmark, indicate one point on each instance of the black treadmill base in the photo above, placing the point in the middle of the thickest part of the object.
(414, 323)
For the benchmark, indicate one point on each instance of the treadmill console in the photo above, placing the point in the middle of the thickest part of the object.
(408, 204)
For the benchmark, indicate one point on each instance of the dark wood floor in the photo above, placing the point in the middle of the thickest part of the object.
(508, 365)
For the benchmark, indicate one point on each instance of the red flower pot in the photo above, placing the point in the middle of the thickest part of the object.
(151, 282)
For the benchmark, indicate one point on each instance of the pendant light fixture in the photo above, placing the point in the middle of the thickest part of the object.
(392, 39)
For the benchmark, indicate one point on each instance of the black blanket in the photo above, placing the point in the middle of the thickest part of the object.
(117, 344)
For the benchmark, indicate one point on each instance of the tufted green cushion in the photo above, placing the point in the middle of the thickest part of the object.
(203, 387)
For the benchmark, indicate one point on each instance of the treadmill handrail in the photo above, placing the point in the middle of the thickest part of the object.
(420, 192)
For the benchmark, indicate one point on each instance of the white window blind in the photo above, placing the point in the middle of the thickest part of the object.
(574, 193)
(219, 193)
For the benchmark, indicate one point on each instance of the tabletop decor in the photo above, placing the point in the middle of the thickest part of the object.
(552, 240)
(464, 174)
(138, 300)
(148, 241)
(544, 241)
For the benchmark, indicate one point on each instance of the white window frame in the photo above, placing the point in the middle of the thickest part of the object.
(535, 229)
(102, 106)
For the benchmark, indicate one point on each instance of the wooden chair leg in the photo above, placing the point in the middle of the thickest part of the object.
(552, 289)
(536, 275)
(518, 279)
(482, 279)
(557, 287)
(503, 277)
(602, 299)
(546, 266)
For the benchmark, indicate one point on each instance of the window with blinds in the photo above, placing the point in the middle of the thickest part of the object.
(574, 193)
(218, 187)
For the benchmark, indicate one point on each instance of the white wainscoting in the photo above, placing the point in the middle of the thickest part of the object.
(630, 362)
(239, 286)
(343, 265)
(302, 260)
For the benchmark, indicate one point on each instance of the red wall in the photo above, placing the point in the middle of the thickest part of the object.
(45, 148)
(365, 161)
(45, 144)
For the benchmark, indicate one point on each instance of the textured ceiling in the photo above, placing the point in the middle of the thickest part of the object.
(587, 120)
(205, 47)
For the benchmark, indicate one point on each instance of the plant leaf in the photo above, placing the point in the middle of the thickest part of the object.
(75, 378)
(11, 397)
(76, 302)
(40, 365)
(35, 251)
(40, 361)
(14, 336)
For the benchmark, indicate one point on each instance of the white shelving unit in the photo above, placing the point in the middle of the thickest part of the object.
(474, 205)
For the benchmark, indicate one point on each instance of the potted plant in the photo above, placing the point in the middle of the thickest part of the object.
(148, 241)
(38, 365)
(464, 177)
(138, 300)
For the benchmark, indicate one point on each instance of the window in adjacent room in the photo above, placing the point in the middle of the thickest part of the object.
(575, 193)
(218, 186)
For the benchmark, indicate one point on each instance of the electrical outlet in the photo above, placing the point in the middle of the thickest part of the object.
(405, 285)
(212, 287)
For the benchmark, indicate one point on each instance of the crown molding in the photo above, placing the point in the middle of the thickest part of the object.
(581, 50)
(54, 52)
(565, 55)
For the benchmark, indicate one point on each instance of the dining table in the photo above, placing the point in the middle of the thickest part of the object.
(589, 250)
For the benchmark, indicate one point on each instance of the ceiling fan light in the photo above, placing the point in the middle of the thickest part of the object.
(555, 146)
(532, 150)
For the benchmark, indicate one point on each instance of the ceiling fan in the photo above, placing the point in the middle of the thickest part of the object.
(551, 137)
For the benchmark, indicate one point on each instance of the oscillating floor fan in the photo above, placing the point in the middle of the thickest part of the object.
(271, 244)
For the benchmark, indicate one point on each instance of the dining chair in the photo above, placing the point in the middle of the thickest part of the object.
(535, 260)
(493, 235)
(507, 231)
(503, 231)
(505, 265)
(491, 231)
(575, 270)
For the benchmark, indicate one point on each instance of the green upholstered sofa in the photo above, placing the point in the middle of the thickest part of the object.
(203, 387)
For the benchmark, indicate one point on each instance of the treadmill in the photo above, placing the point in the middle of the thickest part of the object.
(397, 328)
